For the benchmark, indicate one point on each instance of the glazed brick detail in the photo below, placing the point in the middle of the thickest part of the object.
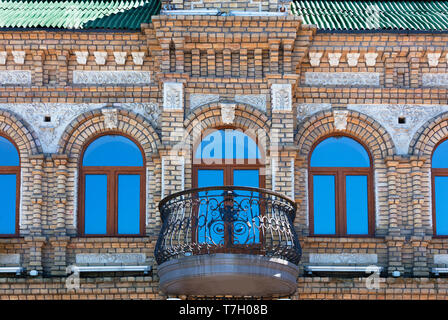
(221, 61)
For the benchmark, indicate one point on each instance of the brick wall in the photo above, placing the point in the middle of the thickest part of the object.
(369, 80)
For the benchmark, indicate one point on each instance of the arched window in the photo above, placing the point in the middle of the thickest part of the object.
(228, 157)
(112, 187)
(9, 188)
(440, 189)
(340, 188)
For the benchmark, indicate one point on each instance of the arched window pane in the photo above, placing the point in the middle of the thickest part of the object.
(441, 205)
(340, 152)
(95, 204)
(128, 204)
(357, 206)
(9, 156)
(227, 144)
(8, 200)
(324, 197)
(112, 150)
(440, 156)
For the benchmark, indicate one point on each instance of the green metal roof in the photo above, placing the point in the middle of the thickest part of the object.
(77, 14)
(374, 15)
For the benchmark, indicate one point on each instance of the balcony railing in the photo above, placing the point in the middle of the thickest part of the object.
(227, 219)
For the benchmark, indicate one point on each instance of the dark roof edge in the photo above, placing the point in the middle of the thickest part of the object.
(394, 31)
(71, 30)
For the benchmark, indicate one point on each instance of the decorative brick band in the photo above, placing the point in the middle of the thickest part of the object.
(92, 122)
(429, 134)
(209, 116)
(16, 77)
(401, 121)
(342, 79)
(111, 77)
(49, 120)
(321, 124)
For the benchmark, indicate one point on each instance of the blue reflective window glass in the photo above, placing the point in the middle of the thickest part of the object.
(324, 203)
(357, 204)
(440, 156)
(128, 204)
(210, 225)
(113, 150)
(8, 201)
(95, 211)
(441, 204)
(340, 152)
(9, 156)
(227, 144)
(246, 230)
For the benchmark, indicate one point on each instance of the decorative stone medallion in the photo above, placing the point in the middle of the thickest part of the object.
(173, 98)
(281, 97)
(227, 113)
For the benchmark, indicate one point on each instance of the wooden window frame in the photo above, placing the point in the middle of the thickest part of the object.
(112, 173)
(228, 166)
(436, 172)
(13, 170)
(340, 174)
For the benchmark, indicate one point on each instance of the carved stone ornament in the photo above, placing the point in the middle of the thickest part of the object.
(255, 100)
(227, 113)
(15, 77)
(371, 79)
(333, 58)
(111, 77)
(199, 99)
(433, 58)
(100, 57)
(371, 58)
(3, 55)
(315, 58)
(352, 59)
(281, 96)
(137, 57)
(50, 120)
(173, 98)
(81, 56)
(110, 118)
(120, 57)
(340, 119)
(387, 116)
(19, 57)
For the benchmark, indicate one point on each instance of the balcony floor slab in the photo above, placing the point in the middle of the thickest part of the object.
(228, 274)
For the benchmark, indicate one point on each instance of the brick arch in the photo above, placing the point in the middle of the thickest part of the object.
(20, 132)
(429, 135)
(92, 123)
(208, 116)
(359, 125)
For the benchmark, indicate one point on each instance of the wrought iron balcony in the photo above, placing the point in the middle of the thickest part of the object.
(228, 240)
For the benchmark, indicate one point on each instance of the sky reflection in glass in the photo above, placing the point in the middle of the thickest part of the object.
(324, 204)
(9, 156)
(128, 204)
(356, 202)
(8, 201)
(227, 144)
(340, 152)
(113, 150)
(95, 211)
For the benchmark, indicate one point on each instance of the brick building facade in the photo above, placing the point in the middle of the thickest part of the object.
(179, 73)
